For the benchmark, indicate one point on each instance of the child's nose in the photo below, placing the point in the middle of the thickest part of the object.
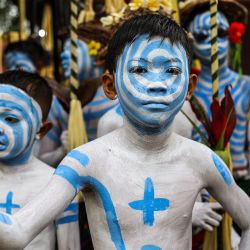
(157, 90)
(1, 131)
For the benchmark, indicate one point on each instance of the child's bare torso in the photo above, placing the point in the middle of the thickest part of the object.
(18, 185)
(144, 198)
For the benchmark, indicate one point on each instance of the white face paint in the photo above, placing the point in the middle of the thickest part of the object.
(200, 28)
(20, 119)
(151, 81)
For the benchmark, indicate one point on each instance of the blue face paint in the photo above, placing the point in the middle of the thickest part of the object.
(8, 205)
(150, 247)
(222, 168)
(78, 183)
(86, 63)
(18, 60)
(20, 120)
(149, 204)
(200, 28)
(151, 80)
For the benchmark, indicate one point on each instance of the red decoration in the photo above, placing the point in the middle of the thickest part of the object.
(222, 123)
(236, 31)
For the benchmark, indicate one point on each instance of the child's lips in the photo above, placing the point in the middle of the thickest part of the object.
(155, 105)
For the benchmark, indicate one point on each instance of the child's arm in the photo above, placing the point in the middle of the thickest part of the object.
(68, 236)
(222, 186)
(18, 230)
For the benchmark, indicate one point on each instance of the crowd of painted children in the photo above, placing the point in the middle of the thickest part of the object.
(23, 62)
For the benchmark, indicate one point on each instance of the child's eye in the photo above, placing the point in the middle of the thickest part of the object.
(11, 119)
(174, 71)
(138, 70)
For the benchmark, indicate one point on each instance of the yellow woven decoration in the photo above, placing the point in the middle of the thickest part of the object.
(22, 14)
(47, 41)
(76, 127)
(88, 13)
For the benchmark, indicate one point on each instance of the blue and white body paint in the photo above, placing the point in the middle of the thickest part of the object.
(20, 120)
(18, 60)
(151, 83)
(86, 64)
(200, 28)
(91, 113)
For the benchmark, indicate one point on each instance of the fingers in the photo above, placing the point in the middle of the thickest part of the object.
(216, 206)
(207, 227)
(212, 222)
(215, 216)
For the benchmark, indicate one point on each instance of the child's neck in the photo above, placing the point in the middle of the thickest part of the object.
(142, 140)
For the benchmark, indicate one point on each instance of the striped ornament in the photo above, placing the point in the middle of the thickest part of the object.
(214, 48)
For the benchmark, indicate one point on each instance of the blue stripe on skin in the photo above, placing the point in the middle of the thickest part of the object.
(150, 247)
(80, 157)
(222, 168)
(79, 182)
(67, 219)
(149, 204)
(72, 207)
(53, 138)
(4, 218)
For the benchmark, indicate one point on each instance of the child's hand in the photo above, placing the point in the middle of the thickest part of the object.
(64, 139)
(206, 215)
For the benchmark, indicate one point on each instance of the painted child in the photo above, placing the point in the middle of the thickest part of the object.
(140, 181)
(23, 110)
(27, 55)
(200, 28)
(54, 145)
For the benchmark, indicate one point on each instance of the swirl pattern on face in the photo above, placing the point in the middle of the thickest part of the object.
(20, 119)
(151, 81)
(18, 60)
(200, 28)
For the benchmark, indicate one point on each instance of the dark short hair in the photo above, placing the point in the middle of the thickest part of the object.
(151, 25)
(39, 89)
(34, 50)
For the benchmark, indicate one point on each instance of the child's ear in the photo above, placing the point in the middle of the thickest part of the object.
(46, 126)
(108, 82)
(191, 86)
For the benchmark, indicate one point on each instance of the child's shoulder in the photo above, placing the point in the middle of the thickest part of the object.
(192, 149)
(41, 168)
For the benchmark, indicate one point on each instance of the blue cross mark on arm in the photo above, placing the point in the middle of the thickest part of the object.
(149, 204)
(8, 205)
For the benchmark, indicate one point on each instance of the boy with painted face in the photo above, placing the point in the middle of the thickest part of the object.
(141, 181)
(22, 110)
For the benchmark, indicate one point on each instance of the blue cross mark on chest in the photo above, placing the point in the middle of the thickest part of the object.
(149, 204)
(8, 205)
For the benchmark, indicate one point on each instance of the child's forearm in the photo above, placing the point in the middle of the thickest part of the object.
(18, 230)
